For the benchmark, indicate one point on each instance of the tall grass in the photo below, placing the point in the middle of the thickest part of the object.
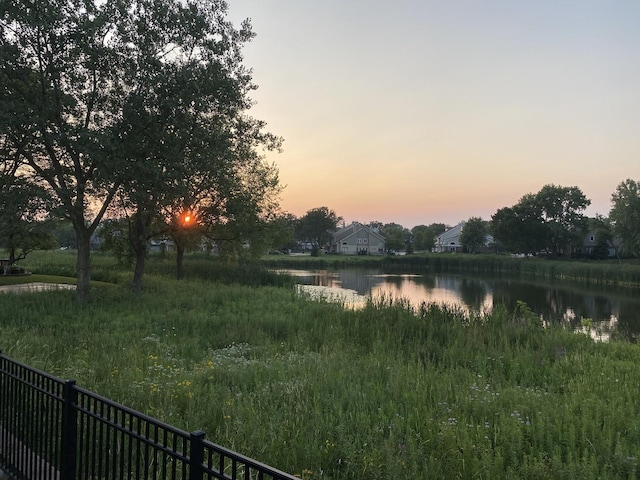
(323, 392)
(592, 272)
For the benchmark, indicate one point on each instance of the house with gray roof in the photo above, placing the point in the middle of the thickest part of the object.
(357, 239)
(449, 240)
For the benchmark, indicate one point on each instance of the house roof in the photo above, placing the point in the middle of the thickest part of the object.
(451, 236)
(353, 229)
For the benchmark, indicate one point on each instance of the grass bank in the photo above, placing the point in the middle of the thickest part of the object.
(327, 393)
(625, 273)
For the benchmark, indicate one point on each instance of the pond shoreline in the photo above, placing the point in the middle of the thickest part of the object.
(626, 274)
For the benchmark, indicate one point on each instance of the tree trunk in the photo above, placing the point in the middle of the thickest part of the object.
(139, 238)
(179, 259)
(138, 271)
(83, 265)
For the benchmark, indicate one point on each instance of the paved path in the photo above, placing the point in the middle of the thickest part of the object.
(34, 287)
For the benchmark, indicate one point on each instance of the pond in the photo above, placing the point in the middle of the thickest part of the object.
(605, 309)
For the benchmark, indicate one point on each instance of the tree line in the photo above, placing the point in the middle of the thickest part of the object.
(551, 221)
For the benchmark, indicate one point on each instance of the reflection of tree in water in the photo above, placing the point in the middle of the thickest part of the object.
(428, 281)
(473, 293)
(508, 293)
(557, 301)
(629, 320)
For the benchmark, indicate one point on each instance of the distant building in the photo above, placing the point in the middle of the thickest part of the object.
(592, 246)
(449, 241)
(357, 239)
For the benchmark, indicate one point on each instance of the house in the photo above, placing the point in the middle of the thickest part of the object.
(592, 246)
(449, 241)
(357, 239)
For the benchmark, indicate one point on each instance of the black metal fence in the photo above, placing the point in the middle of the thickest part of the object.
(52, 429)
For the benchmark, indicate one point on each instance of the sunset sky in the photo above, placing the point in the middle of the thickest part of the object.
(420, 111)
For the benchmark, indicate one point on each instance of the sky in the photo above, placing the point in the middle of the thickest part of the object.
(423, 111)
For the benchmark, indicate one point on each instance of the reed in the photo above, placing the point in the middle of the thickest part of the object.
(626, 273)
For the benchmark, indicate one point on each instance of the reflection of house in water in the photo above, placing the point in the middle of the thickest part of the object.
(362, 281)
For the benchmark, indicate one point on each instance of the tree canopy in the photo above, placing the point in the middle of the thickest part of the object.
(625, 215)
(396, 237)
(474, 234)
(548, 220)
(317, 225)
(134, 98)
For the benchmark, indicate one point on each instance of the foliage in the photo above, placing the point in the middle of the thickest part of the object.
(602, 229)
(317, 225)
(547, 220)
(396, 237)
(281, 231)
(138, 98)
(562, 209)
(474, 234)
(625, 215)
(423, 236)
(24, 226)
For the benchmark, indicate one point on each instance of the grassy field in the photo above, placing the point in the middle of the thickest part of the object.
(386, 392)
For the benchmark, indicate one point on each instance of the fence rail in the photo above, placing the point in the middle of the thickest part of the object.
(51, 429)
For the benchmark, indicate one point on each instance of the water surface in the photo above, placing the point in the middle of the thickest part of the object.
(605, 309)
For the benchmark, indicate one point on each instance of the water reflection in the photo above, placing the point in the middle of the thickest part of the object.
(596, 311)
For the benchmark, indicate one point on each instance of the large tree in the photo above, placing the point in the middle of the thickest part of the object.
(625, 215)
(317, 225)
(396, 237)
(562, 211)
(97, 96)
(423, 235)
(548, 220)
(520, 229)
(474, 234)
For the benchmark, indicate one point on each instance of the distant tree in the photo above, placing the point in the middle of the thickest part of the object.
(63, 230)
(114, 233)
(474, 234)
(396, 237)
(562, 212)
(24, 225)
(601, 228)
(520, 228)
(423, 235)
(547, 220)
(625, 215)
(281, 230)
(316, 226)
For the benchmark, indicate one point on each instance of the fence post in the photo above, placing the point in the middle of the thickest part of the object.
(69, 433)
(196, 455)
